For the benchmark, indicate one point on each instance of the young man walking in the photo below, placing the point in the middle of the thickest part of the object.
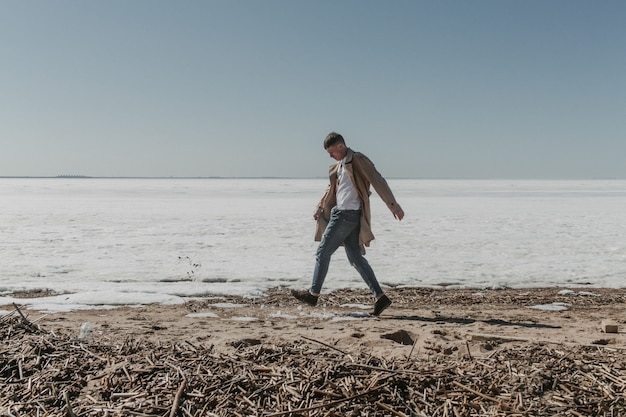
(343, 218)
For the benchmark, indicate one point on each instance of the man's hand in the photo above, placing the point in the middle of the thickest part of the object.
(398, 213)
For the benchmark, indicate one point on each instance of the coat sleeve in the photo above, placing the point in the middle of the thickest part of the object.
(319, 209)
(378, 182)
(323, 215)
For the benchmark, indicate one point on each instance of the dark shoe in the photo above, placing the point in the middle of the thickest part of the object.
(306, 296)
(381, 304)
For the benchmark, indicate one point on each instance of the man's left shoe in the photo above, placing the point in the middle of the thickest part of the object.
(306, 296)
(381, 304)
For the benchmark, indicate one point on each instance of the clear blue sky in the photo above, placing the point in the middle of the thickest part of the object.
(452, 89)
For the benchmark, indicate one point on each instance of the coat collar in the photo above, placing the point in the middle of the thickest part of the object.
(349, 156)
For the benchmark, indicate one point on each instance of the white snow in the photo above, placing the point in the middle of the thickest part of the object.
(110, 242)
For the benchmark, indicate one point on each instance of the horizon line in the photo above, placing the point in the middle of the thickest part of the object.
(77, 177)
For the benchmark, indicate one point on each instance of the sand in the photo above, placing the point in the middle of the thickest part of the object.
(421, 322)
(434, 352)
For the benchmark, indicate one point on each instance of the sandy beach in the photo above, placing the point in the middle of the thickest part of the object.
(433, 317)
(438, 319)
(423, 326)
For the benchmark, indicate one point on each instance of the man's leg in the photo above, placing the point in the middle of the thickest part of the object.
(356, 258)
(340, 226)
(358, 261)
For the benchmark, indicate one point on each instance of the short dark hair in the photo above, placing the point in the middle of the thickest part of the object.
(333, 138)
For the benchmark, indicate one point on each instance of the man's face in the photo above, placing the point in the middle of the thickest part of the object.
(337, 151)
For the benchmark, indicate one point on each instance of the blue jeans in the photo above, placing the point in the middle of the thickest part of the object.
(343, 227)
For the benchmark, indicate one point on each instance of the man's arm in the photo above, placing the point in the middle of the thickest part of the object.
(320, 206)
(380, 186)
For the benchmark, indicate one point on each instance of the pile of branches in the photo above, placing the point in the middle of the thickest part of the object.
(439, 297)
(43, 373)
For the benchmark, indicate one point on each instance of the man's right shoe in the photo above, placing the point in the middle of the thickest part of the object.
(381, 304)
(305, 296)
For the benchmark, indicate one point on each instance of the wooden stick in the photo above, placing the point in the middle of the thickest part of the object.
(324, 344)
(411, 352)
(391, 410)
(26, 321)
(82, 347)
(70, 412)
(473, 391)
(179, 393)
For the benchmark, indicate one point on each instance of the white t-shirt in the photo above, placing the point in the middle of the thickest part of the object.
(347, 195)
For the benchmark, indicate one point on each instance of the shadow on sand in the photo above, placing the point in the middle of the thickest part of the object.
(458, 320)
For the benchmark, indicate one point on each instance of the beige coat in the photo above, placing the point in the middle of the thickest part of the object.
(363, 174)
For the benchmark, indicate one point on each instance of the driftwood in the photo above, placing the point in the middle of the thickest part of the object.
(48, 374)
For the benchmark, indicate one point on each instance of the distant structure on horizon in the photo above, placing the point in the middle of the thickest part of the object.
(72, 176)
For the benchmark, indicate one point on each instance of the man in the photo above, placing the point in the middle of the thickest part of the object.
(343, 218)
